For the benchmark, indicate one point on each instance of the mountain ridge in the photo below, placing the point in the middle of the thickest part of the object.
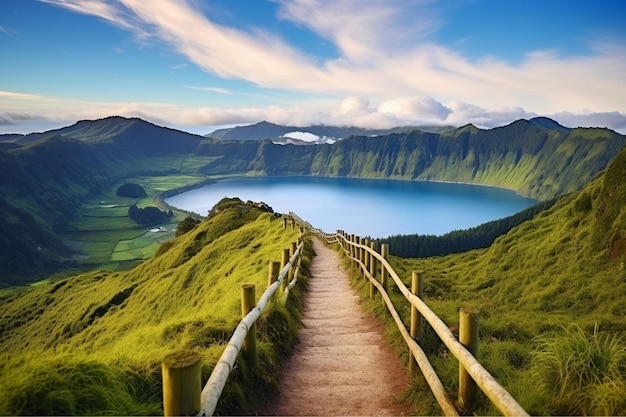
(47, 178)
(266, 130)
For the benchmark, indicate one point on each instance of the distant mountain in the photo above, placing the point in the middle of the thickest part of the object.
(526, 156)
(548, 123)
(266, 130)
(131, 133)
(10, 137)
(45, 177)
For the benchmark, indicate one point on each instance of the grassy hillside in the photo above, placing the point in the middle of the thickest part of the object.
(535, 158)
(93, 343)
(564, 268)
(44, 183)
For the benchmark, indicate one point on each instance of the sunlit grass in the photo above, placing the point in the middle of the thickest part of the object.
(115, 327)
(581, 373)
(543, 276)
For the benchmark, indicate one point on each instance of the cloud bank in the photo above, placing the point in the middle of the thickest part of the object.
(387, 71)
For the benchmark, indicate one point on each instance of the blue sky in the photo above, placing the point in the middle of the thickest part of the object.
(197, 65)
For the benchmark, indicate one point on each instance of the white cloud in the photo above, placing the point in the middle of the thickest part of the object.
(303, 136)
(353, 106)
(112, 12)
(22, 108)
(612, 120)
(362, 29)
(383, 56)
(19, 96)
(218, 90)
(425, 108)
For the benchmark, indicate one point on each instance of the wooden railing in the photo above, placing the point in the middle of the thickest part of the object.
(472, 374)
(181, 371)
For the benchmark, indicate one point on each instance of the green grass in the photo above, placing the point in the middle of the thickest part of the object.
(106, 238)
(581, 373)
(561, 268)
(64, 339)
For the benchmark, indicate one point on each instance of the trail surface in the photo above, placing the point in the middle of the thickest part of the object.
(342, 366)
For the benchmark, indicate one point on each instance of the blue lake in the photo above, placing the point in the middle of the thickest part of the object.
(365, 207)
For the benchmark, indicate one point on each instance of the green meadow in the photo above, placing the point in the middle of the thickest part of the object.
(551, 292)
(93, 343)
(105, 237)
(552, 301)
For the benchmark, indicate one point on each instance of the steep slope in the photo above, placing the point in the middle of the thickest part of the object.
(187, 297)
(565, 267)
(42, 184)
(534, 160)
(44, 181)
(567, 259)
(49, 177)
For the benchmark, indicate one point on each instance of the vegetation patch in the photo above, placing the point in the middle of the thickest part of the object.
(118, 326)
(131, 190)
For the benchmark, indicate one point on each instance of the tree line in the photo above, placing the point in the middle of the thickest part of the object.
(457, 241)
(148, 215)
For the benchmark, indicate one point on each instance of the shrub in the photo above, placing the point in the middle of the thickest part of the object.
(131, 190)
(583, 374)
(70, 386)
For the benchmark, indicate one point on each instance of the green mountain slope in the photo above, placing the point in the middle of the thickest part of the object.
(116, 129)
(564, 267)
(110, 331)
(534, 160)
(43, 182)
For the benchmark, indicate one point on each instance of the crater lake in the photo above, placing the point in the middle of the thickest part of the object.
(366, 207)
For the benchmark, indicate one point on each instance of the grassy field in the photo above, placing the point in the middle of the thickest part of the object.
(93, 343)
(106, 238)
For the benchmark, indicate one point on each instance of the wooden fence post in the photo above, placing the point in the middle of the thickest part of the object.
(284, 261)
(292, 270)
(284, 222)
(366, 255)
(272, 274)
(468, 337)
(384, 251)
(182, 383)
(373, 270)
(248, 302)
(417, 322)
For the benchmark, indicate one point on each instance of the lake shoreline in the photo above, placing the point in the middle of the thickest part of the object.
(386, 206)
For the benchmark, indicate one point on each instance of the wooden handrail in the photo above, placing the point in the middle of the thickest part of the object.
(430, 375)
(490, 387)
(215, 385)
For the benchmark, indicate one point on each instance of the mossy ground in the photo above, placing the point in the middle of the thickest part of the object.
(93, 343)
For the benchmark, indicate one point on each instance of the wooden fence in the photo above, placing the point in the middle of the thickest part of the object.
(181, 371)
(472, 374)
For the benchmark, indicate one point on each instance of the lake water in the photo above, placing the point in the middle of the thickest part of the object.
(365, 207)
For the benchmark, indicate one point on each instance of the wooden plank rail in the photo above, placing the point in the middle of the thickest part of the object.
(370, 262)
(176, 395)
(215, 385)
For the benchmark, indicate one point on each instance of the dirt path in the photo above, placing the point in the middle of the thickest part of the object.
(342, 364)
